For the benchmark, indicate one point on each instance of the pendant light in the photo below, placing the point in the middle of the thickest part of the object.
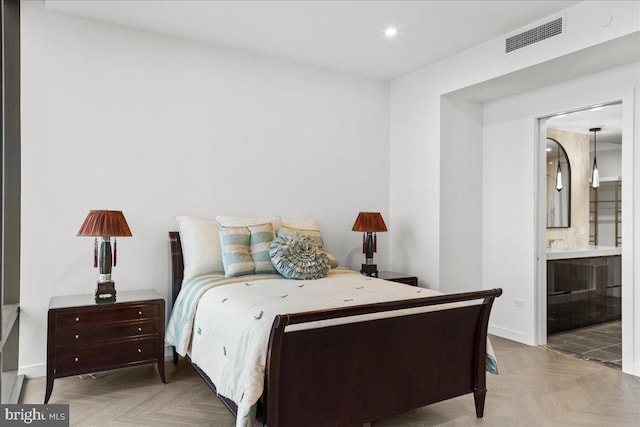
(559, 185)
(595, 175)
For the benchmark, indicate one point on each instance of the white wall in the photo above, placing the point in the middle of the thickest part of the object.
(609, 162)
(507, 120)
(156, 126)
(416, 124)
(460, 195)
(508, 227)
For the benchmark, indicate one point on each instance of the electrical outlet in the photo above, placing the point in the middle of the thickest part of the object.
(519, 303)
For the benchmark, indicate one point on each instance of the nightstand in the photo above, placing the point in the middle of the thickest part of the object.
(84, 336)
(398, 277)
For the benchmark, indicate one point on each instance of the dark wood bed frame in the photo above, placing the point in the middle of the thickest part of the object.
(355, 373)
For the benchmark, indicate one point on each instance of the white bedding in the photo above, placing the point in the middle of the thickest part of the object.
(232, 324)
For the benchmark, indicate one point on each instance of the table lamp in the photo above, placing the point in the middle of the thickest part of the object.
(369, 223)
(105, 224)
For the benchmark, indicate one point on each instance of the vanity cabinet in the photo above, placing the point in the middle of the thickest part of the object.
(582, 292)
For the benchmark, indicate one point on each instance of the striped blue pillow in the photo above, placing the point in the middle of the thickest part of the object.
(245, 250)
(236, 257)
(261, 238)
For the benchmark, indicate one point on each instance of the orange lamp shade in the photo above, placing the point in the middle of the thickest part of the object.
(105, 223)
(369, 222)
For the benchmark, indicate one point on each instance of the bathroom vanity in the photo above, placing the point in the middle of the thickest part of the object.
(583, 286)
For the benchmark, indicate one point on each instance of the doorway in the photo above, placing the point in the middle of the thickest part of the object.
(582, 265)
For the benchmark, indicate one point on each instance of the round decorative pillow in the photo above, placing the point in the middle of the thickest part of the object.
(298, 256)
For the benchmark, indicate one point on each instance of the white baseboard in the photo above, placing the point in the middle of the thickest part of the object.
(510, 334)
(635, 370)
(33, 371)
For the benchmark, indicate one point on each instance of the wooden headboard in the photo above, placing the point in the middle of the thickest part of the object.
(177, 264)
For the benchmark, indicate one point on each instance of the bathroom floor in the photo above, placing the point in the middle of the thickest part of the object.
(601, 343)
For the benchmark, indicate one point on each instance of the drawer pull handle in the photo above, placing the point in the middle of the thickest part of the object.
(139, 350)
(77, 319)
(76, 359)
(140, 312)
(77, 336)
(139, 329)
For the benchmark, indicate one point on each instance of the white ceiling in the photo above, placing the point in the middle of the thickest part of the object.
(349, 36)
(607, 117)
(341, 35)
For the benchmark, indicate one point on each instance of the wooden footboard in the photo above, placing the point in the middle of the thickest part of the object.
(355, 373)
(358, 372)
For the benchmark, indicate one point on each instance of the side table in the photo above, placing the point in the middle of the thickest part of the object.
(398, 277)
(84, 336)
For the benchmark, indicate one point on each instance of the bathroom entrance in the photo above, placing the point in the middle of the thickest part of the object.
(583, 198)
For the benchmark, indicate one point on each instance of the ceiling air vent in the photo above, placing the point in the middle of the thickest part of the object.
(534, 35)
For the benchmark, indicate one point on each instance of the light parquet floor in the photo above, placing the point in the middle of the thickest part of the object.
(536, 387)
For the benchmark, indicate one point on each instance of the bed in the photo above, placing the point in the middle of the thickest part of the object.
(334, 366)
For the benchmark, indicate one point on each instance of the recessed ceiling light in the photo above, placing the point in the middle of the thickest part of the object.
(391, 32)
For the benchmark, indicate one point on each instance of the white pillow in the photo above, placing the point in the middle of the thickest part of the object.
(305, 224)
(234, 221)
(201, 251)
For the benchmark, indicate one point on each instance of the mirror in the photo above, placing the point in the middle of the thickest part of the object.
(558, 190)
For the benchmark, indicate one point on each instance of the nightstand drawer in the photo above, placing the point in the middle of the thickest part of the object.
(77, 360)
(86, 317)
(86, 334)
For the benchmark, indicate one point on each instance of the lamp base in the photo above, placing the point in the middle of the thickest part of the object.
(370, 270)
(106, 292)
